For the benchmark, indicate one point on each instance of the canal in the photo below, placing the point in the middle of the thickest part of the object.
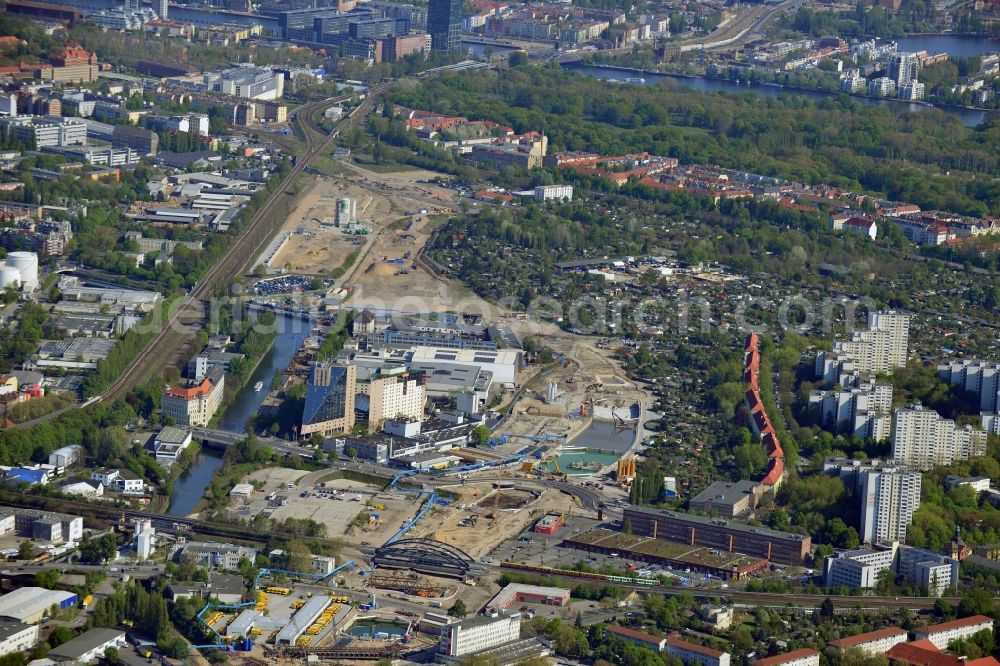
(969, 117)
(189, 489)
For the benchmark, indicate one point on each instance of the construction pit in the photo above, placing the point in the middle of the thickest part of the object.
(469, 523)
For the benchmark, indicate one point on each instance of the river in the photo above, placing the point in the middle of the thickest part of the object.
(963, 46)
(190, 488)
(969, 117)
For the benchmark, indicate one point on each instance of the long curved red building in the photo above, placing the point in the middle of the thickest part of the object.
(760, 421)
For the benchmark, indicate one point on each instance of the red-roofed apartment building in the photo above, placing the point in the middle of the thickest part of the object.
(873, 642)
(925, 653)
(803, 657)
(946, 632)
(692, 653)
(640, 638)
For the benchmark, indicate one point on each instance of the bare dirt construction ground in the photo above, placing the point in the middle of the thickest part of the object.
(478, 538)
(588, 374)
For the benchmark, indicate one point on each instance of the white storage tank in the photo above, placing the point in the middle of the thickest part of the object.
(27, 264)
(9, 277)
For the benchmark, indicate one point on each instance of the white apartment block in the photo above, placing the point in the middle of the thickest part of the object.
(801, 657)
(873, 642)
(692, 653)
(946, 632)
(43, 131)
(975, 376)
(554, 192)
(922, 439)
(479, 633)
(863, 411)
(889, 498)
(859, 569)
(882, 347)
(990, 422)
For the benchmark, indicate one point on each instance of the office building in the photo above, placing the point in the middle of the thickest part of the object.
(903, 67)
(444, 23)
(246, 82)
(975, 376)
(859, 569)
(43, 131)
(922, 439)
(729, 536)
(195, 401)
(17, 637)
(889, 498)
(941, 635)
(692, 653)
(139, 139)
(162, 8)
(872, 642)
(169, 443)
(881, 348)
(330, 399)
(219, 555)
(862, 411)
(476, 634)
(728, 499)
(800, 657)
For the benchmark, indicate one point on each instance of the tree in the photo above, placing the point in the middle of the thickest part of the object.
(826, 609)
(60, 635)
(111, 654)
(458, 609)
(299, 557)
(25, 551)
(976, 601)
(750, 459)
(48, 578)
(480, 436)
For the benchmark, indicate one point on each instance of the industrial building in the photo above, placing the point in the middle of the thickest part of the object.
(549, 523)
(31, 605)
(194, 403)
(772, 545)
(302, 620)
(88, 647)
(17, 636)
(519, 593)
(728, 499)
(43, 525)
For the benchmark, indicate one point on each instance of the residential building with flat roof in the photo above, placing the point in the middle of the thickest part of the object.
(889, 498)
(859, 569)
(872, 642)
(729, 536)
(881, 348)
(975, 376)
(801, 657)
(941, 635)
(922, 439)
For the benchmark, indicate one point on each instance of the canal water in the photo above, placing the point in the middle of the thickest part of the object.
(189, 489)
(969, 117)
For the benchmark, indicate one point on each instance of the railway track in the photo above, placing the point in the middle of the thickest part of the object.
(254, 236)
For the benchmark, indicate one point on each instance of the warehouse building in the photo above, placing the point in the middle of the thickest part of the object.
(775, 546)
(31, 605)
(302, 620)
(88, 647)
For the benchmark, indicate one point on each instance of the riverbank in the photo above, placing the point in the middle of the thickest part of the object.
(969, 116)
